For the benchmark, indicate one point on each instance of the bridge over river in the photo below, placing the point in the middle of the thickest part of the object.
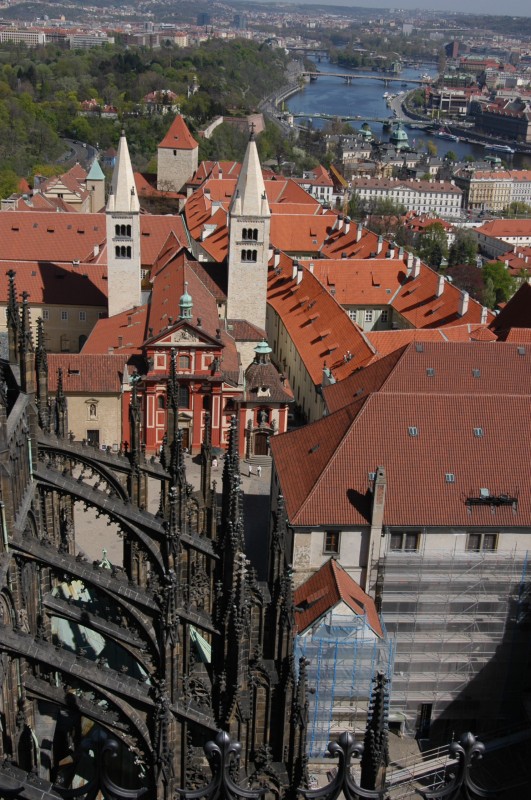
(348, 77)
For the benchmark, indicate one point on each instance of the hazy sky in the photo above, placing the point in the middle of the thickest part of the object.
(521, 8)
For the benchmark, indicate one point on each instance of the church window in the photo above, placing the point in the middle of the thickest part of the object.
(184, 362)
(184, 397)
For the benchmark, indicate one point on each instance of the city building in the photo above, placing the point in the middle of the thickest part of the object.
(400, 486)
(443, 198)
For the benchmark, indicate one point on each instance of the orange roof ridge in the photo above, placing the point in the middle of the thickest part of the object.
(178, 136)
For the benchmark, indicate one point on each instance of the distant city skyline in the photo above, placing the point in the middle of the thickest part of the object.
(510, 8)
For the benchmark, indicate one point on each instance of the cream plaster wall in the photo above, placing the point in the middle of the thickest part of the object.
(107, 420)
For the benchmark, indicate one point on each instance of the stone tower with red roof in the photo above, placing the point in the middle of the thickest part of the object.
(177, 157)
(249, 226)
(123, 235)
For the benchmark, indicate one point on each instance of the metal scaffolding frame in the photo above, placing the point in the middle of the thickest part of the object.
(456, 618)
(343, 654)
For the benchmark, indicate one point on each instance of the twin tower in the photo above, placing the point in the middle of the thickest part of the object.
(248, 224)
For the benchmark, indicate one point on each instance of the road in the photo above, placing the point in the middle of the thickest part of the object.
(77, 152)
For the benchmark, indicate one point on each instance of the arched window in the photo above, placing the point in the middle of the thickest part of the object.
(255, 234)
(117, 230)
(253, 255)
(128, 253)
(244, 233)
(128, 230)
(244, 255)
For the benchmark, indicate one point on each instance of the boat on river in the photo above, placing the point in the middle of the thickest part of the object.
(500, 148)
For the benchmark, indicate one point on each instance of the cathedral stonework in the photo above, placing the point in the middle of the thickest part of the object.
(144, 660)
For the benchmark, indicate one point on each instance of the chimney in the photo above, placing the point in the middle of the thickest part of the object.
(96, 250)
(311, 266)
(294, 270)
(416, 268)
(463, 304)
(484, 315)
(409, 262)
(400, 253)
(347, 224)
(276, 258)
(440, 286)
(340, 222)
(391, 251)
(380, 245)
(360, 231)
(299, 274)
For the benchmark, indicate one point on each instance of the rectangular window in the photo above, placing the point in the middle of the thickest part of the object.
(331, 542)
(384, 316)
(352, 314)
(368, 315)
(45, 314)
(406, 541)
(482, 542)
(64, 316)
(82, 316)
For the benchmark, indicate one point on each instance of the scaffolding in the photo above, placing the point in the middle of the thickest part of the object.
(461, 629)
(343, 654)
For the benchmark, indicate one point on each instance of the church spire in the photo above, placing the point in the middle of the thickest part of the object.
(123, 196)
(250, 193)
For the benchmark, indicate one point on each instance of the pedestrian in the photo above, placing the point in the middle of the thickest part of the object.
(250, 470)
(259, 470)
(214, 463)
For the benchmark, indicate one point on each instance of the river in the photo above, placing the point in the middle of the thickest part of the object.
(364, 98)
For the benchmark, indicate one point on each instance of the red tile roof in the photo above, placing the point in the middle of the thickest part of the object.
(49, 236)
(124, 333)
(57, 284)
(317, 325)
(93, 374)
(506, 228)
(178, 136)
(386, 342)
(324, 469)
(324, 590)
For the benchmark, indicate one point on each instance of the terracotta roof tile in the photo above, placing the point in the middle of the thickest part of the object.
(57, 284)
(324, 469)
(93, 374)
(53, 237)
(326, 588)
(179, 136)
(308, 311)
(125, 333)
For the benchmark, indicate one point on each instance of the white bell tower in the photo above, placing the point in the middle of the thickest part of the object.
(123, 236)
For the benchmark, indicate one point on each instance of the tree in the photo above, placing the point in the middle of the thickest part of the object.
(503, 283)
(357, 207)
(464, 249)
(450, 156)
(431, 147)
(432, 245)
(517, 208)
(8, 182)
